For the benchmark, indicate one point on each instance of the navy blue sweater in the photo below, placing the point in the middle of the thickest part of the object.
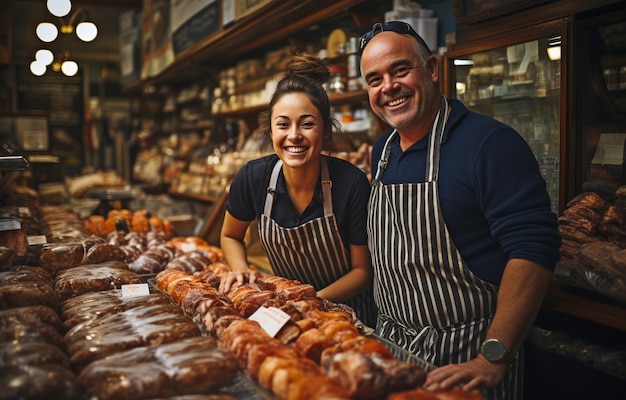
(493, 197)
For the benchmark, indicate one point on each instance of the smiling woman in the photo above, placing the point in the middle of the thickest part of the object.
(311, 208)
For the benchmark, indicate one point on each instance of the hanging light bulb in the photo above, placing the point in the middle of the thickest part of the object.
(59, 8)
(86, 31)
(47, 32)
(69, 68)
(37, 68)
(45, 56)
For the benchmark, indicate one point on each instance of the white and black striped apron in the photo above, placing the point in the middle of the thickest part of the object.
(429, 302)
(313, 252)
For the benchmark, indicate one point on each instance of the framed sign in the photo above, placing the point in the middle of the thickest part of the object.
(27, 131)
(472, 11)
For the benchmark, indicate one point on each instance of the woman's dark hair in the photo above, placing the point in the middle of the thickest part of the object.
(306, 73)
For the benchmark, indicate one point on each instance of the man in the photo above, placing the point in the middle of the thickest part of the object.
(462, 237)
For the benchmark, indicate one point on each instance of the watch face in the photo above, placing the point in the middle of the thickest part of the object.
(493, 350)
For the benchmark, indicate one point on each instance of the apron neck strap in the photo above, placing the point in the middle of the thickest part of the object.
(327, 185)
(434, 141)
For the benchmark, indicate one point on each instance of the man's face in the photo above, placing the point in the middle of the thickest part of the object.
(400, 87)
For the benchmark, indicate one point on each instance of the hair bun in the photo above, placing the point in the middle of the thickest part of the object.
(310, 66)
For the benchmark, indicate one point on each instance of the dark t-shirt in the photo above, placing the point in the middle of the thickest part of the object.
(350, 190)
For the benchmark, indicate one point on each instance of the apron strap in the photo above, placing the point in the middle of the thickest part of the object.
(432, 167)
(327, 185)
(271, 188)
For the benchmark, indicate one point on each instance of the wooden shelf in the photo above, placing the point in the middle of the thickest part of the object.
(193, 196)
(335, 99)
(272, 23)
(563, 299)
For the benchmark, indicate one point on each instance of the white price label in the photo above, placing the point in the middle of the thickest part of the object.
(34, 240)
(271, 319)
(10, 225)
(135, 290)
(188, 247)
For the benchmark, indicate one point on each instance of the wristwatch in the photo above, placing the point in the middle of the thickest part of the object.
(494, 350)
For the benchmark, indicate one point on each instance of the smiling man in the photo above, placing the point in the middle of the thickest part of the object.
(461, 232)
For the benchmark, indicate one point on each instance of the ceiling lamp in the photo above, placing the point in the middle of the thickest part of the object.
(69, 68)
(47, 32)
(45, 56)
(59, 8)
(37, 68)
(85, 30)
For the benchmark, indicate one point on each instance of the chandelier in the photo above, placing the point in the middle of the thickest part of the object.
(48, 32)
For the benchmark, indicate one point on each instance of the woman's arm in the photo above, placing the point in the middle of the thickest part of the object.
(232, 244)
(355, 281)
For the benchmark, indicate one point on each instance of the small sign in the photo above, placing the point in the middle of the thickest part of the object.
(610, 150)
(135, 290)
(35, 240)
(271, 319)
(10, 224)
(187, 247)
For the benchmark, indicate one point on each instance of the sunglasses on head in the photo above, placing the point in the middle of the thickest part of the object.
(393, 26)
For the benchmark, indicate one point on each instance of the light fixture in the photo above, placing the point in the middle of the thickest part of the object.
(59, 8)
(69, 68)
(554, 48)
(38, 68)
(85, 30)
(47, 32)
(44, 56)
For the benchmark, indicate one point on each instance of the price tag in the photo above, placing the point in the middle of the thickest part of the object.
(34, 240)
(135, 290)
(271, 319)
(188, 247)
(10, 225)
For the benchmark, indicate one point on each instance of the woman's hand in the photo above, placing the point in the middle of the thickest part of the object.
(236, 279)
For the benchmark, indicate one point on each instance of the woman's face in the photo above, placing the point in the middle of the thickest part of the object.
(297, 130)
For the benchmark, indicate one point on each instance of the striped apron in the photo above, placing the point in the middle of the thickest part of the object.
(429, 302)
(313, 252)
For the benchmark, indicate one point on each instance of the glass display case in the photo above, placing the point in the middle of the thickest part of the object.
(601, 118)
(517, 80)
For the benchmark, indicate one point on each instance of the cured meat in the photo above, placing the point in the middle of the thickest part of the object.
(92, 278)
(441, 394)
(139, 326)
(371, 376)
(90, 306)
(25, 273)
(40, 381)
(189, 366)
(23, 294)
(31, 324)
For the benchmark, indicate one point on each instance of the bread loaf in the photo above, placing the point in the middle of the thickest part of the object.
(189, 366)
(74, 281)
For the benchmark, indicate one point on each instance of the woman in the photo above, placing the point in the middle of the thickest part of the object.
(311, 208)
